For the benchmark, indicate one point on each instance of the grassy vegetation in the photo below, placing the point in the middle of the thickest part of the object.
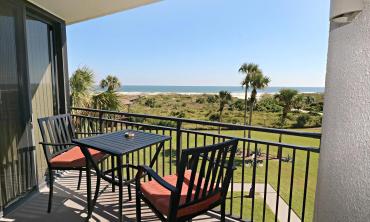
(205, 107)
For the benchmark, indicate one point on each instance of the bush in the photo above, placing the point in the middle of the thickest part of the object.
(136, 119)
(211, 99)
(168, 123)
(239, 105)
(200, 100)
(302, 120)
(179, 114)
(267, 103)
(316, 107)
(214, 117)
(150, 102)
(316, 121)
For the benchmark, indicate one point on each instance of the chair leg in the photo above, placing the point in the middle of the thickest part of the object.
(128, 184)
(138, 205)
(97, 189)
(113, 165)
(79, 180)
(223, 211)
(51, 180)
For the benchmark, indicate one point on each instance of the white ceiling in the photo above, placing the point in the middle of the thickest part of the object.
(73, 11)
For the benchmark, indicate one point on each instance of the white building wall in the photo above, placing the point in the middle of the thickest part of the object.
(343, 189)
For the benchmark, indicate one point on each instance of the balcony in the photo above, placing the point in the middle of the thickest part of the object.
(275, 176)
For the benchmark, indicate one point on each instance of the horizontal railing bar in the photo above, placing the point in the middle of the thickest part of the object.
(126, 122)
(284, 145)
(225, 125)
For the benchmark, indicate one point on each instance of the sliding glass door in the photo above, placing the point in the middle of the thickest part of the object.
(17, 168)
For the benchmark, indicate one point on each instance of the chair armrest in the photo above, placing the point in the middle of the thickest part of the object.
(155, 176)
(57, 144)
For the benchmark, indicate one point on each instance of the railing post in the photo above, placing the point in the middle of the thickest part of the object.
(178, 142)
(280, 152)
(100, 122)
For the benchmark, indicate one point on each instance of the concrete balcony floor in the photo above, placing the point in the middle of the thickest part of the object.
(69, 204)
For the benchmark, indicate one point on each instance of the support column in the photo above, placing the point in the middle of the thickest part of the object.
(343, 187)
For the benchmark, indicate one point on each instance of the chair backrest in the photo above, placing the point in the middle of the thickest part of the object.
(56, 130)
(210, 170)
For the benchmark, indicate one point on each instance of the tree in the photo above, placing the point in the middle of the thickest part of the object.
(309, 100)
(106, 101)
(224, 99)
(286, 98)
(81, 83)
(109, 99)
(112, 83)
(302, 120)
(257, 81)
(299, 102)
(248, 69)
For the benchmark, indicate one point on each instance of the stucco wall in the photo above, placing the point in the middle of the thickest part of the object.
(343, 189)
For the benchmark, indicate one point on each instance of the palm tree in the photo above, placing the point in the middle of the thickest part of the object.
(109, 99)
(286, 98)
(257, 81)
(224, 99)
(81, 83)
(112, 83)
(248, 69)
(106, 101)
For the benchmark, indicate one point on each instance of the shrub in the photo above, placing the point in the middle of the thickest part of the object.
(239, 105)
(179, 114)
(211, 99)
(150, 102)
(168, 123)
(200, 100)
(267, 103)
(302, 120)
(316, 121)
(214, 117)
(136, 119)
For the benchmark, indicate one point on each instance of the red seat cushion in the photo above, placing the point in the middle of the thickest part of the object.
(74, 158)
(160, 196)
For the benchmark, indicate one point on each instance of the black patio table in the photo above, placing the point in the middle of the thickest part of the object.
(117, 145)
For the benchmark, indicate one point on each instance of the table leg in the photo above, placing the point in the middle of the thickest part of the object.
(120, 188)
(128, 178)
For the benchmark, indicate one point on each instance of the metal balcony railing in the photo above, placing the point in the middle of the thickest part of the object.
(276, 170)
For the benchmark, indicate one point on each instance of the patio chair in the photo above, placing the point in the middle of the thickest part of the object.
(60, 153)
(201, 183)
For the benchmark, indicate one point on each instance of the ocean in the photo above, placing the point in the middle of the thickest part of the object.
(207, 89)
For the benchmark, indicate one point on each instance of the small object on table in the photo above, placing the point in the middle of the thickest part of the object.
(129, 134)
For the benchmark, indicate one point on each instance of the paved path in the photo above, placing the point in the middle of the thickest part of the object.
(270, 200)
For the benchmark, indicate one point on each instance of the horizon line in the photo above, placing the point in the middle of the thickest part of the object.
(219, 85)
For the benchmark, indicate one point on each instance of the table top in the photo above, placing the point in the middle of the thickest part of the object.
(117, 144)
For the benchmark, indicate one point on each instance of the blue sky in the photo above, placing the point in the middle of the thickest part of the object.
(204, 42)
